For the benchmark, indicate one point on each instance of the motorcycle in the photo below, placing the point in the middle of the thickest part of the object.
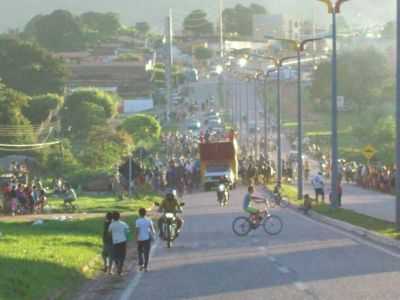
(169, 227)
(222, 195)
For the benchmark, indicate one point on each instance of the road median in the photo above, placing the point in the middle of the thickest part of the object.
(376, 230)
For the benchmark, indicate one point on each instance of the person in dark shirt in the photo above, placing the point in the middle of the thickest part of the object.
(107, 244)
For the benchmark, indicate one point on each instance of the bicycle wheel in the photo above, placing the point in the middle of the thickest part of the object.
(273, 225)
(241, 226)
(284, 202)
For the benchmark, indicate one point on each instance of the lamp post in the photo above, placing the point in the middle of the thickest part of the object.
(398, 121)
(247, 115)
(299, 45)
(256, 118)
(334, 8)
(266, 118)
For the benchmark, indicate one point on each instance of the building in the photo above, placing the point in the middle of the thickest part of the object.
(130, 80)
(279, 26)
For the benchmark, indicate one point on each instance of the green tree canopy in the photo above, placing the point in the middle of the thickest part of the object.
(30, 69)
(85, 109)
(59, 31)
(39, 107)
(144, 129)
(142, 27)
(196, 23)
(239, 20)
(15, 128)
(101, 25)
(106, 149)
(361, 75)
(389, 31)
(203, 53)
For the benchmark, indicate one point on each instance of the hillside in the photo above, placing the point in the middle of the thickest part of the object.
(17, 12)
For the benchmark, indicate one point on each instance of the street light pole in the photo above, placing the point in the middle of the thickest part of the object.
(266, 117)
(334, 9)
(256, 117)
(278, 121)
(334, 158)
(300, 183)
(299, 46)
(398, 121)
(247, 113)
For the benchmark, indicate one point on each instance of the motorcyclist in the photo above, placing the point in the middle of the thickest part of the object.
(224, 181)
(170, 204)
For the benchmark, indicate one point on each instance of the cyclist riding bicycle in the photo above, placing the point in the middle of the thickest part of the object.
(249, 198)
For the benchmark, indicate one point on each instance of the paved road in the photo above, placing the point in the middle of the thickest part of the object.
(308, 260)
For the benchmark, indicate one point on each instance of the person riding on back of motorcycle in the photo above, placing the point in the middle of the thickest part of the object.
(170, 205)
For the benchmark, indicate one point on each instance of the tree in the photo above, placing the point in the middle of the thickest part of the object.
(85, 109)
(203, 53)
(142, 27)
(15, 128)
(144, 129)
(30, 69)
(361, 73)
(239, 20)
(101, 26)
(389, 31)
(196, 23)
(39, 107)
(59, 31)
(105, 148)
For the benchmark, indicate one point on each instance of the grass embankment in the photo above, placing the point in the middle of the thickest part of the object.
(382, 227)
(54, 259)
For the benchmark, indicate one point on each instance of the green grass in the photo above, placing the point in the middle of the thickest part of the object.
(55, 259)
(102, 204)
(382, 227)
(385, 228)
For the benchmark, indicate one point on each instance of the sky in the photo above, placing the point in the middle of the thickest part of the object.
(16, 13)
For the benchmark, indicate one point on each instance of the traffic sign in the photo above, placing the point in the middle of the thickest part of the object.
(369, 152)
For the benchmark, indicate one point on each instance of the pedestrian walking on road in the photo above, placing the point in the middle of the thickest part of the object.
(144, 235)
(107, 244)
(318, 185)
(119, 232)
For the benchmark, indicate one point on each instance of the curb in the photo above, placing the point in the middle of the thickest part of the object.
(353, 229)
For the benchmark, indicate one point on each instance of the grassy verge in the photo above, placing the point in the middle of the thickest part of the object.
(382, 227)
(102, 204)
(54, 259)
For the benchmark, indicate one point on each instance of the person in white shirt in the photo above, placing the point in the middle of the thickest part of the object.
(318, 185)
(144, 234)
(119, 233)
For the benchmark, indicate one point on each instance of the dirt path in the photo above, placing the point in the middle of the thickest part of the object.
(108, 287)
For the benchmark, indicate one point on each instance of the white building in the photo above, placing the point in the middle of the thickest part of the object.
(279, 26)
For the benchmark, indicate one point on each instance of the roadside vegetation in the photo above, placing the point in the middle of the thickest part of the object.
(52, 259)
(385, 228)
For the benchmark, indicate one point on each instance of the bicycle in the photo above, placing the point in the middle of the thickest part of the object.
(272, 224)
(278, 200)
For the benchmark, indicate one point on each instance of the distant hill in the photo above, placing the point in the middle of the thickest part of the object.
(16, 13)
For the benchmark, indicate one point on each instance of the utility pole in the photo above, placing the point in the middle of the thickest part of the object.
(221, 28)
(398, 121)
(334, 156)
(256, 117)
(170, 62)
(248, 115)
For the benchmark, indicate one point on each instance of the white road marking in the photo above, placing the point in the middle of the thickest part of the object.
(283, 270)
(349, 235)
(272, 259)
(135, 282)
(262, 249)
(300, 286)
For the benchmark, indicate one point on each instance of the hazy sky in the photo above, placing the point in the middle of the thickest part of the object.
(15, 13)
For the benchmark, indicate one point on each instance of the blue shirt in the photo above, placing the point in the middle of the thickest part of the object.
(246, 201)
